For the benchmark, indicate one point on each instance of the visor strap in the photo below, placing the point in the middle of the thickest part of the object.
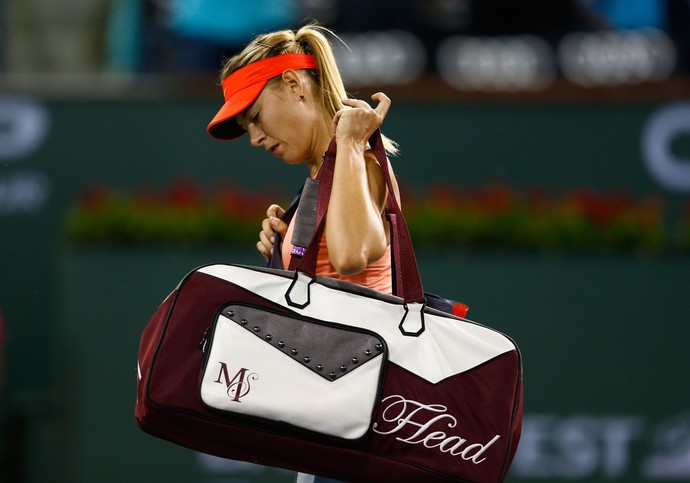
(263, 70)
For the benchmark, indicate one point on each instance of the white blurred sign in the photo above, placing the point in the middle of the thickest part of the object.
(23, 192)
(665, 125)
(496, 63)
(387, 57)
(585, 446)
(617, 57)
(24, 125)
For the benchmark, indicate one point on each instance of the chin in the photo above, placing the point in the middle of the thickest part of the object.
(287, 159)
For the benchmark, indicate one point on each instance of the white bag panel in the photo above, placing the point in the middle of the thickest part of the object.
(447, 346)
(257, 375)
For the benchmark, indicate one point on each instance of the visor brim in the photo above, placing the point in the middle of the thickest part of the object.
(224, 126)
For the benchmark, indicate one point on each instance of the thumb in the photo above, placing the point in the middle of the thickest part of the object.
(336, 119)
(275, 210)
(278, 225)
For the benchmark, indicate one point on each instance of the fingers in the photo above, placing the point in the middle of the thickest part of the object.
(356, 103)
(275, 210)
(274, 213)
(262, 250)
(358, 119)
(384, 103)
(355, 107)
(266, 240)
(278, 225)
(269, 227)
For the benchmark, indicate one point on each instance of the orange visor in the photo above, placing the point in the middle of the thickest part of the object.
(243, 86)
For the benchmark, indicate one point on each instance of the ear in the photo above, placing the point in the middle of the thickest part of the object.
(293, 81)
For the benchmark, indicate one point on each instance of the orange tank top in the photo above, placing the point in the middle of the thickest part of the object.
(378, 275)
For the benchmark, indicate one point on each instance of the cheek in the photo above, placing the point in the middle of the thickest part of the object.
(296, 131)
(282, 124)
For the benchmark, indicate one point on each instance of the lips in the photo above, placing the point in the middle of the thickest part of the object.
(274, 149)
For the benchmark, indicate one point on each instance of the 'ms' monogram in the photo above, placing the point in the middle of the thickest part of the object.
(240, 385)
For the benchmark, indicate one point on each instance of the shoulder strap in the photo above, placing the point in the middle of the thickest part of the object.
(407, 281)
(276, 260)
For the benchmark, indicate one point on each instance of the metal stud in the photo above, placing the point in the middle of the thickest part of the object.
(231, 313)
(331, 375)
(343, 368)
(319, 367)
(367, 352)
(294, 352)
(281, 344)
(355, 360)
(243, 321)
(379, 347)
(269, 337)
(307, 360)
(257, 329)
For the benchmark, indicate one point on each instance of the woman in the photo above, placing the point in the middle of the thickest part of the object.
(284, 89)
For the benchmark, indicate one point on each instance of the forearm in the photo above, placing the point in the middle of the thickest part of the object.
(355, 231)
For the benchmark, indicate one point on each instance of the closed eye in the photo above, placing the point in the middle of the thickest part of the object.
(246, 118)
(241, 120)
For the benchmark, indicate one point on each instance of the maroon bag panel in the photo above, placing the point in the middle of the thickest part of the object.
(168, 406)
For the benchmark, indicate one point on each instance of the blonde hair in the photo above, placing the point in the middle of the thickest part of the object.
(310, 39)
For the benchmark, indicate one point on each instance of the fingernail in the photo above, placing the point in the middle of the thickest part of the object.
(272, 239)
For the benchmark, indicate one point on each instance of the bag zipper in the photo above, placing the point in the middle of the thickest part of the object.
(203, 345)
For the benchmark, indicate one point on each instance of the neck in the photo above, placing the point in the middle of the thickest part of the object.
(324, 140)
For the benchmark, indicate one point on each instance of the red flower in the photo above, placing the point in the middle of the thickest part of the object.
(185, 195)
(96, 198)
(599, 208)
(497, 198)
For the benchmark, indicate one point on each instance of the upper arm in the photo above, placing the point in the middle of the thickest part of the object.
(357, 230)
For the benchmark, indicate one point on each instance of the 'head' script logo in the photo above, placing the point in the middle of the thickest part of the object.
(418, 423)
(240, 385)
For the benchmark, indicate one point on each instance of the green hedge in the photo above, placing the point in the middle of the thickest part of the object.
(495, 216)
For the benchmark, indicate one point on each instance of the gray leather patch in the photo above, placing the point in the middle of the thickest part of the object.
(331, 351)
(305, 216)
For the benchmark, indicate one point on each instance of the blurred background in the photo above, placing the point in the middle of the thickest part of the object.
(545, 166)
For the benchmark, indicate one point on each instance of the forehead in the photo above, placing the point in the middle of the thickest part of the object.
(268, 96)
(243, 117)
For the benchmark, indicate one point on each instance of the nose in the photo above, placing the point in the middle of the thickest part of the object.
(256, 135)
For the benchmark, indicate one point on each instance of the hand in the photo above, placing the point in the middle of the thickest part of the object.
(269, 227)
(359, 120)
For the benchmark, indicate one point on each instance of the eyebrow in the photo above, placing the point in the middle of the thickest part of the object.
(244, 117)
(241, 119)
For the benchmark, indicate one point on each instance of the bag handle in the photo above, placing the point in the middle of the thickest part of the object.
(407, 282)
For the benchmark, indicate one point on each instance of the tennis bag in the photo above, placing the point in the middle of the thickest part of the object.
(288, 369)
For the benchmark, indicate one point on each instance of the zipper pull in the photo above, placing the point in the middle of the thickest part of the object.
(204, 341)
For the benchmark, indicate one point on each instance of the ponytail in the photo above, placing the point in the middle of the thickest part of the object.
(309, 39)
